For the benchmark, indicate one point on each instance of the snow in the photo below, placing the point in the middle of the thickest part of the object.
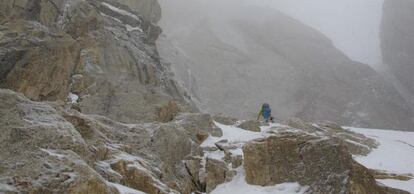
(120, 11)
(130, 28)
(125, 190)
(235, 135)
(73, 98)
(395, 154)
(238, 185)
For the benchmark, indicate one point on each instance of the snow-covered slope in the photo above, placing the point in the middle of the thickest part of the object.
(394, 155)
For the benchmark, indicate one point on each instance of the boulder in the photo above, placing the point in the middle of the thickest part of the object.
(216, 173)
(195, 123)
(251, 125)
(357, 144)
(225, 120)
(323, 164)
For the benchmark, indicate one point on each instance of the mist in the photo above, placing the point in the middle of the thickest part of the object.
(352, 25)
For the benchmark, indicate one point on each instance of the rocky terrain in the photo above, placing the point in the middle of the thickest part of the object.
(86, 106)
(241, 59)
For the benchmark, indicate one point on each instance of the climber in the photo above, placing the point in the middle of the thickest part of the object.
(266, 113)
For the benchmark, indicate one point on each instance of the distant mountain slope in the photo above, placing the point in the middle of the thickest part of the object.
(397, 36)
(242, 59)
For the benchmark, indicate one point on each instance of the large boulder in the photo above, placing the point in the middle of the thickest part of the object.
(323, 164)
(357, 144)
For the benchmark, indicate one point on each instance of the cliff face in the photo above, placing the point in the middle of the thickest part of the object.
(99, 53)
(241, 60)
(397, 43)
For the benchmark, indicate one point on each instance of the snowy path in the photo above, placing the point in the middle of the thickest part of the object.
(238, 184)
(395, 154)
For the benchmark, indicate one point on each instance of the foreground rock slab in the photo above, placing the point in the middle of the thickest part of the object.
(323, 164)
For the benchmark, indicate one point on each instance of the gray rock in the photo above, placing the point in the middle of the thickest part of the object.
(224, 119)
(295, 157)
(251, 125)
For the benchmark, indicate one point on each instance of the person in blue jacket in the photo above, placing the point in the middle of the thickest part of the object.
(266, 113)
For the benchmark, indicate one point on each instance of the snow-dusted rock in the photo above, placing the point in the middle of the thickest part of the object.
(322, 163)
(357, 144)
(251, 125)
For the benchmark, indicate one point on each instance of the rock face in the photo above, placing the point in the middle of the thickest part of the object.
(324, 165)
(43, 153)
(265, 57)
(48, 149)
(101, 51)
(397, 43)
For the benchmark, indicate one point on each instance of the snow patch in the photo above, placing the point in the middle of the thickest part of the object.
(73, 98)
(125, 190)
(130, 28)
(120, 11)
(240, 186)
(395, 154)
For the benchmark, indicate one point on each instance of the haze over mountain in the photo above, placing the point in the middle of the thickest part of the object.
(236, 56)
(397, 44)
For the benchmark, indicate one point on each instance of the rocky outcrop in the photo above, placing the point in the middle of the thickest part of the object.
(43, 153)
(324, 164)
(356, 143)
(48, 148)
(101, 51)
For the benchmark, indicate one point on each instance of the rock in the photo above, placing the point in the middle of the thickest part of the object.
(138, 177)
(194, 167)
(168, 112)
(251, 125)
(43, 153)
(300, 124)
(217, 172)
(52, 48)
(37, 63)
(324, 164)
(195, 122)
(357, 144)
(234, 159)
(225, 120)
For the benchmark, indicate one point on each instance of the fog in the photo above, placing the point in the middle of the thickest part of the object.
(352, 25)
(309, 59)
